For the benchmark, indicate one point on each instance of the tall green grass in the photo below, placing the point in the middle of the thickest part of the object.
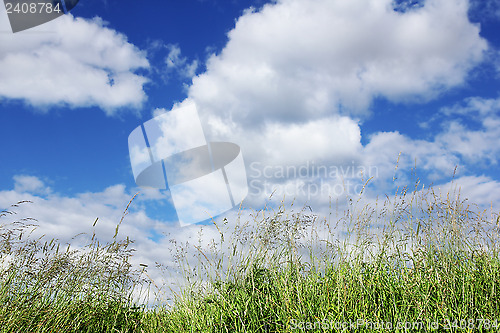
(46, 286)
(417, 260)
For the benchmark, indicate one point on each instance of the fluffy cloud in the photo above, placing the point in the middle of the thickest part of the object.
(384, 148)
(332, 139)
(464, 140)
(298, 60)
(296, 77)
(30, 184)
(71, 61)
(63, 217)
(479, 190)
(473, 144)
(303, 161)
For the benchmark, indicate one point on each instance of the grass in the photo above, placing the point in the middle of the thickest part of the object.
(419, 260)
(44, 288)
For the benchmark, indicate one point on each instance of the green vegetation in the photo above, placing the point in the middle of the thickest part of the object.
(415, 261)
(45, 288)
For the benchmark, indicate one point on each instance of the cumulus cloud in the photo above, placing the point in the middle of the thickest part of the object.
(299, 60)
(332, 139)
(30, 184)
(73, 62)
(464, 139)
(473, 144)
(63, 217)
(296, 78)
(384, 149)
(480, 190)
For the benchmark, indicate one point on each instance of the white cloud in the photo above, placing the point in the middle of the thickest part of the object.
(383, 151)
(299, 60)
(474, 145)
(332, 139)
(176, 62)
(291, 70)
(63, 217)
(464, 140)
(474, 106)
(71, 61)
(480, 190)
(324, 142)
(173, 58)
(30, 184)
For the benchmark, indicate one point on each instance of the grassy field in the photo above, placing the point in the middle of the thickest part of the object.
(416, 261)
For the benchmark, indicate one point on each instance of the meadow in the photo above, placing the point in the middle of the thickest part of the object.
(418, 260)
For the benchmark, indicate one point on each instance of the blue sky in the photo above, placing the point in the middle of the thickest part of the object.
(79, 149)
(79, 135)
(295, 83)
